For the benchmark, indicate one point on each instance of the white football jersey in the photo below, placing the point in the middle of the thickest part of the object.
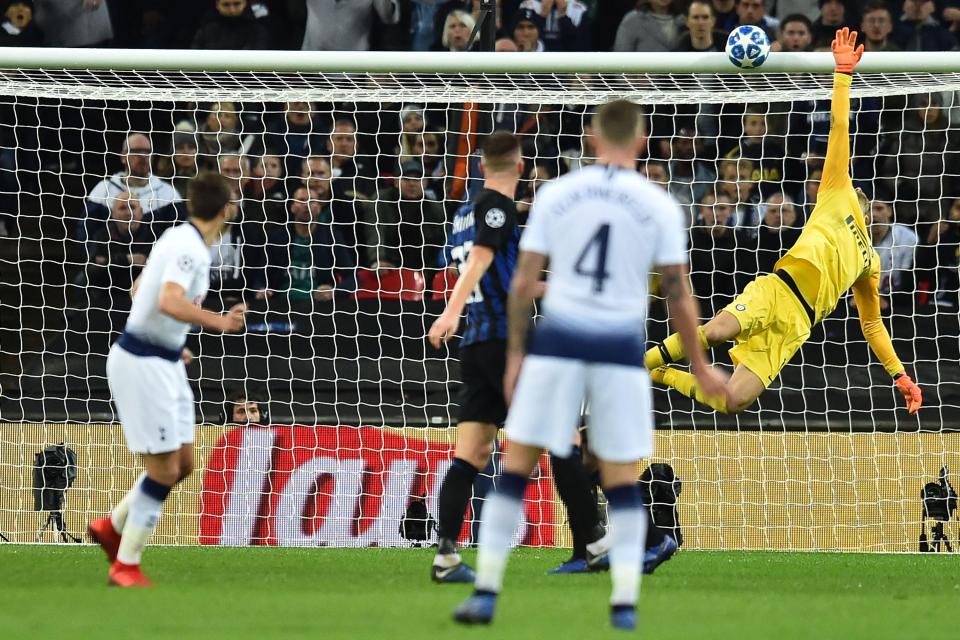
(180, 256)
(604, 229)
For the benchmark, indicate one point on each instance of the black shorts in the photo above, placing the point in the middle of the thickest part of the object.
(481, 369)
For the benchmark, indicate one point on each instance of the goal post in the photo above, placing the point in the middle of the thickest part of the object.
(361, 409)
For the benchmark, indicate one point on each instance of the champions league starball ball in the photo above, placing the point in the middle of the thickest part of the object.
(748, 47)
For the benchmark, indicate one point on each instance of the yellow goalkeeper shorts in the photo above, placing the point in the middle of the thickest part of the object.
(773, 326)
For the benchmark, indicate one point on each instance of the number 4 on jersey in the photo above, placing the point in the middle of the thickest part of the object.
(595, 254)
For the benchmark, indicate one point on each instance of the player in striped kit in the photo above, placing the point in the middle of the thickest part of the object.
(603, 229)
(146, 370)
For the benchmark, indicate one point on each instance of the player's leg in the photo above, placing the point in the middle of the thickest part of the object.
(574, 486)
(471, 454)
(723, 327)
(543, 416)
(118, 516)
(621, 433)
(744, 387)
(482, 410)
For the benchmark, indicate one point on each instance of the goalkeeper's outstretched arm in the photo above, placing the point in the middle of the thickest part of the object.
(836, 166)
(866, 293)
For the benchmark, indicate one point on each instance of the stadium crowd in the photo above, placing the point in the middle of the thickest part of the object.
(333, 199)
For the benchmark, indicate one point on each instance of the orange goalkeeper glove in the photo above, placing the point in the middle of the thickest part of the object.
(911, 392)
(846, 53)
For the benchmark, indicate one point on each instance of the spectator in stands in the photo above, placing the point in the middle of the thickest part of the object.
(810, 188)
(806, 8)
(428, 23)
(895, 244)
(726, 13)
(456, 31)
(921, 158)
(656, 172)
(119, 251)
(74, 23)
(220, 133)
(505, 45)
(778, 230)
(584, 153)
(701, 35)
(308, 261)
(876, 27)
(428, 149)
(539, 175)
(158, 199)
(404, 228)
(355, 176)
(754, 12)
(566, 25)
(266, 191)
(951, 16)
(834, 14)
(690, 175)
(766, 153)
(294, 136)
(18, 28)
(796, 34)
(942, 254)
(713, 252)
(526, 28)
(316, 174)
(735, 181)
(333, 25)
(231, 26)
(652, 26)
(238, 256)
(183, 166)
(918, 30)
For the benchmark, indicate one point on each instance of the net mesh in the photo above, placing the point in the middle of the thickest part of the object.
(360, 408)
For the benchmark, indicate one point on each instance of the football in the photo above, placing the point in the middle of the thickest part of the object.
(748, 47)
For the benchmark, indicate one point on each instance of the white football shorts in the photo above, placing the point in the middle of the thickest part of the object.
(153, 399)
(546, 407)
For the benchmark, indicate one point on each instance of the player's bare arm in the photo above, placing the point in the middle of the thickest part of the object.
(524, 289)
(445, 327)
(683, 315)
(174, 303)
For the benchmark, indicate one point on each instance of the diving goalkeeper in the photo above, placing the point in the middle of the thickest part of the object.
(772, 317)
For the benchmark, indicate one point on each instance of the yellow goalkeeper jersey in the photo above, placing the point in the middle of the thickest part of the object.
(834, 251)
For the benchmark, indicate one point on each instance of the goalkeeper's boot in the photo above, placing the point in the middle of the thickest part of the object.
(598, 554)
(477, 609)
(655, 556)
(573, 565)
(127, 575)
(623, 617)
(101, 531)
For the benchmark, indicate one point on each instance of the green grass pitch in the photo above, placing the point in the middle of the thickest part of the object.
(207, 593)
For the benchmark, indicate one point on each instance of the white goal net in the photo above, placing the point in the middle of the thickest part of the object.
(345, 184)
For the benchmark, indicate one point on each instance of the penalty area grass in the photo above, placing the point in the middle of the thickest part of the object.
(236, 593)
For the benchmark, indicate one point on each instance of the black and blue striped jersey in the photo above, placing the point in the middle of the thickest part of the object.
(490, 220)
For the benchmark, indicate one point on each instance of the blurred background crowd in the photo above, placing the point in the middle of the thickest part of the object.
(327, 192)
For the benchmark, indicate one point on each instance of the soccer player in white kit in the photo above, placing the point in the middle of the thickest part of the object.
(603, 229)
(146, 370)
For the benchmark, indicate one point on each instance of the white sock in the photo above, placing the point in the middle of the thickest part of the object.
(627, 532)
(118, 517)
(500, 518)
(145, 508)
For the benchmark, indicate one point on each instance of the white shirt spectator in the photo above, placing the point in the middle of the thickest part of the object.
(333, 25)
(74, 23)
(154, 195)
(896, 250)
